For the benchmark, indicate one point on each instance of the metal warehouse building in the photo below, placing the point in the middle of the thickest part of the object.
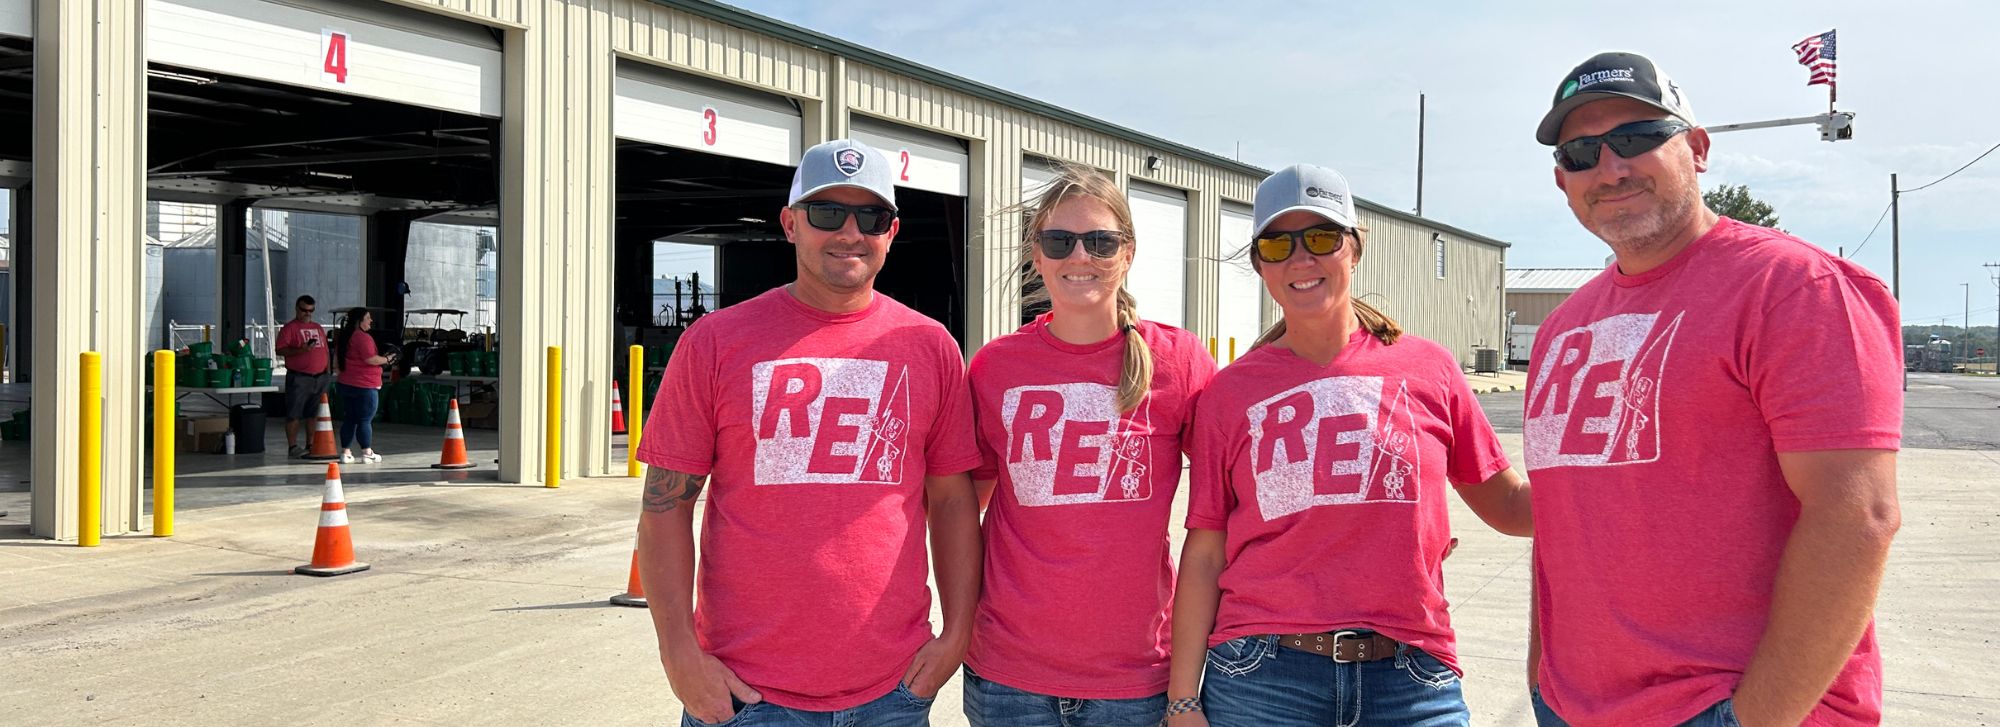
(580, 132)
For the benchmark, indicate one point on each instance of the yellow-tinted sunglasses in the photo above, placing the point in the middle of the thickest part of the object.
(1277, 247)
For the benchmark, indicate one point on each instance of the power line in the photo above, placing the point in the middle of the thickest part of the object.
(1954, 172)
(1892, 203)
(1871, 230)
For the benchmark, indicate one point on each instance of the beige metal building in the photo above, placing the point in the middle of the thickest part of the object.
(577, 128)
(1534, 293)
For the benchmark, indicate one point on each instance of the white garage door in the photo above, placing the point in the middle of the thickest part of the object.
(673, 109)
(17, 19)
(371, 50)
(1159, 271)
(1036, 176)
(923, 160)
(1240, 292)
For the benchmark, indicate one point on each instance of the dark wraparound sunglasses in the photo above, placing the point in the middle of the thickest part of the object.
(831, 216)
(1277, 247)
(1628, 140)
(1100, 244)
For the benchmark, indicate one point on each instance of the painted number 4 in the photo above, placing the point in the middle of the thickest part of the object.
(335, 64)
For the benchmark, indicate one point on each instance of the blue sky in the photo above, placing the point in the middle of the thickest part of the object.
(1337, 84)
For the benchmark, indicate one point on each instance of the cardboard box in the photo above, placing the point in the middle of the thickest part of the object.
(483, 415)
(202, 434)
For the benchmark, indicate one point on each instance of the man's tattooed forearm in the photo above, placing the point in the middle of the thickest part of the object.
(666, 489)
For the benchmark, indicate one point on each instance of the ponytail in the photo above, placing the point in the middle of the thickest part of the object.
(1136, 377)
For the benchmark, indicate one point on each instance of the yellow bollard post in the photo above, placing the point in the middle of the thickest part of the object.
(204, 333)
(90, 432)
(163, 444)
(552, 465)
(635, 401)
(1211, 347)
(1232, 349)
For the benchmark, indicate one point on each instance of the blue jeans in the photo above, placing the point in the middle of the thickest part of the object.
(1722, 714)
(357, 416)
(1251, 681)
(899, 708)
(991, 704)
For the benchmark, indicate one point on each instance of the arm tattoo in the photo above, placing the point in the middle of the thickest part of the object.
(666, 489)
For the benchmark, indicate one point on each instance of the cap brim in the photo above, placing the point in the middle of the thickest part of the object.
(1321, 212)
(891, 204)
(1548, 134)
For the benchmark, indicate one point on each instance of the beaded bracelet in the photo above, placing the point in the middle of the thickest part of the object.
(1183, 706)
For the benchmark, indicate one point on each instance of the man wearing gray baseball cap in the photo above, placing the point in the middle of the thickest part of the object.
(1710, 522)
(835, 424)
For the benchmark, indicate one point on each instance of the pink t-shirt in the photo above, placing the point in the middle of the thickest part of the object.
(817, 431)
(354, 367)
(1657, 406)
(1331, 484)
(296, 334)
(1079, 580)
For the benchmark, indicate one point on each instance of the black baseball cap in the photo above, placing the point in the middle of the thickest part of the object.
(1629, 75)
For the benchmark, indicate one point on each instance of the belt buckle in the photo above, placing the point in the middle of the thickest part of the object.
(1337, 636)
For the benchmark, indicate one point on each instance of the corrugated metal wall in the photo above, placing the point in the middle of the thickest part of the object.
(89, 232)
(1398, 274)
(1530, 309)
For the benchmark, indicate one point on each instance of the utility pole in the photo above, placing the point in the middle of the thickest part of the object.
(1896, 255)
(1965, 324)
(1996, 316)
(1420, 155)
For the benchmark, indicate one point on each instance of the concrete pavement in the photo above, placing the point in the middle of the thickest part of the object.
(486, 605)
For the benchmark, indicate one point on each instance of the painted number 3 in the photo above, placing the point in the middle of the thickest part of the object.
(336, 57)
(708, 118)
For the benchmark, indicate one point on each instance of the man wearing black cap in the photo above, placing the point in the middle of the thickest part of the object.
(835, 425)
(1711, 428)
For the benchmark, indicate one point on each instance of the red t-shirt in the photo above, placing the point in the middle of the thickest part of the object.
(817, 430)
(296, 334)
(1657, 406)
(1330, 482)
(1079, 580)
(354, 367)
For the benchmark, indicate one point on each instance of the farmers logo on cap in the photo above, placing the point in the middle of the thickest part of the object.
(849, 161)
(1323, 193)
(1569, 89)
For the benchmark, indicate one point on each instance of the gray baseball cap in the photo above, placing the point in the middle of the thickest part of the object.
(843, 163)
(1315, 189)
(1604, 75)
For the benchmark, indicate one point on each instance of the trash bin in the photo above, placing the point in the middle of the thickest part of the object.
(248, 422)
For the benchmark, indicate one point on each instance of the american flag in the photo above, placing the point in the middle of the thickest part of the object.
(1816, 54)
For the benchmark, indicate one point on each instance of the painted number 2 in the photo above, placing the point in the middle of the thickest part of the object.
(906, 164)
(335, 64)
(708, 118)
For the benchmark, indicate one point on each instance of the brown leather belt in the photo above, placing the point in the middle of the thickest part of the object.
(1342, 646)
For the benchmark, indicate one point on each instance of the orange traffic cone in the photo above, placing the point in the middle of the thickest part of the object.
(333, 548)
(617, 411)
(635, 594)
(453, 457)
(324, 449)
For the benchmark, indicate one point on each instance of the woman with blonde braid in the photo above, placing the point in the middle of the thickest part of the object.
(1080, 417)
(1311, 585)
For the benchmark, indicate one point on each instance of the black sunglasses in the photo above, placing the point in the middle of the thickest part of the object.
(1628, 140)
(1100, 244)
(1277, 247)
(831, 216)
